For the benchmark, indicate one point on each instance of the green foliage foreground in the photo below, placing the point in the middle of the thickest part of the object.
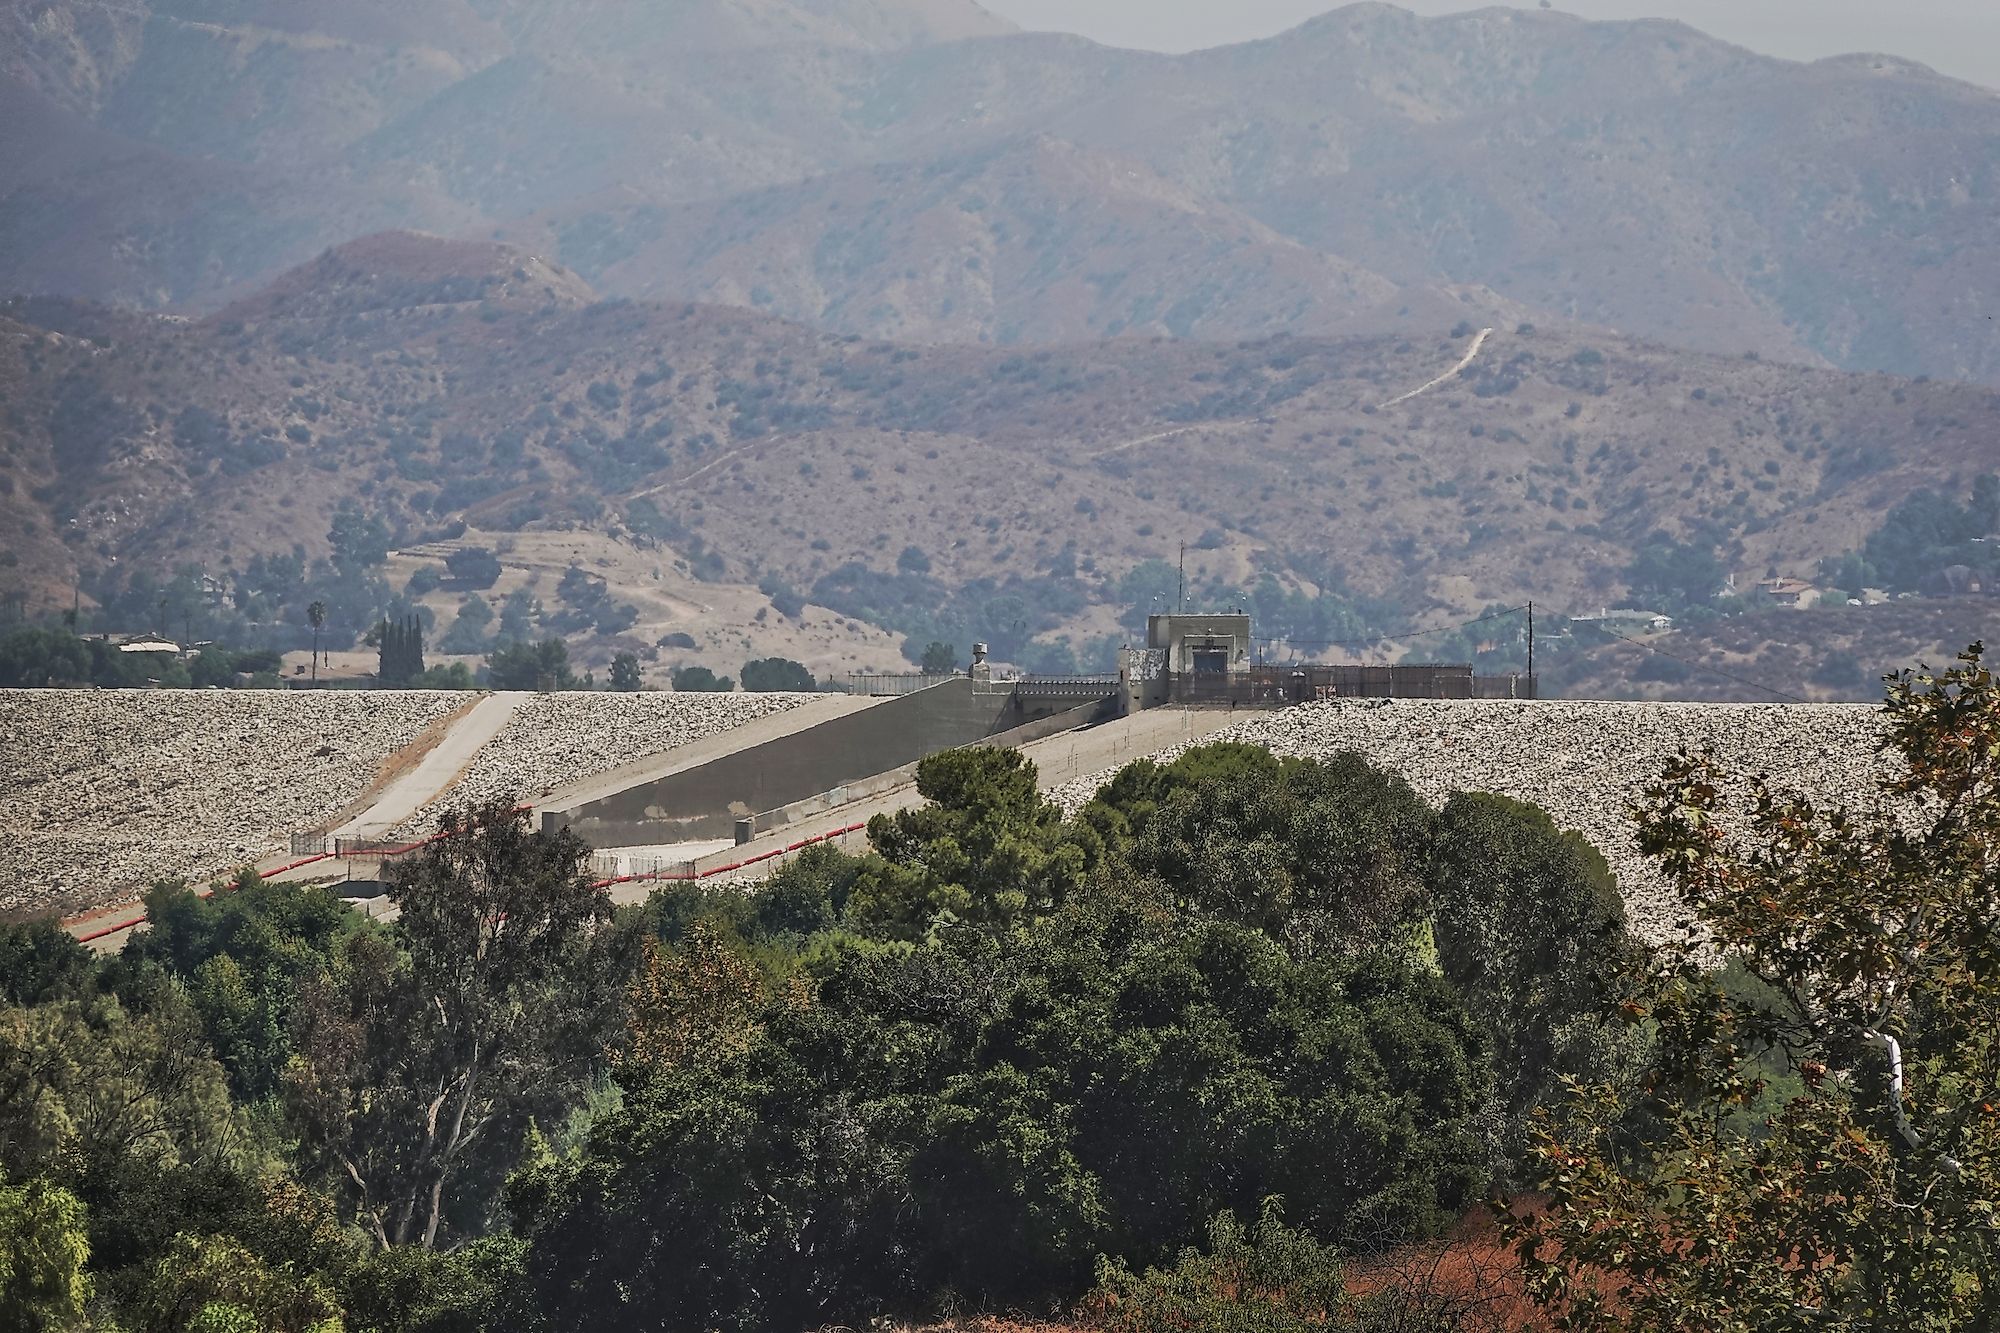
(1012, 1060)
(1815, 1141)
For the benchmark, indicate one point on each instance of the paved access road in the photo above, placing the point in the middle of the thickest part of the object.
(437, 771)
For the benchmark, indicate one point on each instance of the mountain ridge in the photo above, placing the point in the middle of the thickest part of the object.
(426, 381)
(1634, 175)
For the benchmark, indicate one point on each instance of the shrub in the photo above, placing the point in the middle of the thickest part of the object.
(473, 567)
(1667, 670)
(771, 675)
(1267, 1279)
(700, 680)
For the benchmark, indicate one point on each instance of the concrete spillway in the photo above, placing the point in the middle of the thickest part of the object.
(862, 751)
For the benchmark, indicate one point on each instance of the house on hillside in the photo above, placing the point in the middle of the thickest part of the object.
(1787, 592)
(151, 644)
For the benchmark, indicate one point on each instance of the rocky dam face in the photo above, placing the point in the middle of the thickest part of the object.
(108, 790)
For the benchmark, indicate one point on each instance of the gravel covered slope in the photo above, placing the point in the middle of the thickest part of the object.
(1582, 762)
(555, 739)
(107, 790)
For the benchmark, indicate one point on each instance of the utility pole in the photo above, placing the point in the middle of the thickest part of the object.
(1180, 603)
(1531, 649)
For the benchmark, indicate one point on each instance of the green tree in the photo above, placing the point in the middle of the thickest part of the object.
(1323, 856)
(531, 666)
(401, 650)
(449, 676)
(468, 629)
(1124, 806)
(940, 659)
(985, 848)
(1929, 532)
(1149, 588)
(40, 961)
(128, 1110)
(773, 675)
(316, 617)
(84, 1084)
(1673, 576)
(216, 1284)
(358, 540)
(1857, 1192)
(241, 953)
(986, 1113)
(1266, 1279)
(700, 680)
(625, 676)
(44, 1246)
(473, 567)
(1530, 931)
(38, 658)
(419, 1068)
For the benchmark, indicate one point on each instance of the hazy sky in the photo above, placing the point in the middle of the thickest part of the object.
(1957, 37)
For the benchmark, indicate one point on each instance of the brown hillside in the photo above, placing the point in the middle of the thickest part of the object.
(1824, 655)
(1638, 176)
(769, 450)
(1039, 236)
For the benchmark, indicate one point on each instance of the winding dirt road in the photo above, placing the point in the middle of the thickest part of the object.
(1471, 355)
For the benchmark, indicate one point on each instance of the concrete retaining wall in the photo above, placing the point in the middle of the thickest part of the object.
(820, 803)
(705, 801)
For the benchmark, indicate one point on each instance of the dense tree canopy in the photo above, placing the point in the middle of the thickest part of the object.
(1006, 1059)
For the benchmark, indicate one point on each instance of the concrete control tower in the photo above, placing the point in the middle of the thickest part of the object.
(1201, 644)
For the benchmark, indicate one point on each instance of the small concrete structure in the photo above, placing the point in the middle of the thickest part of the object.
(1202, 644)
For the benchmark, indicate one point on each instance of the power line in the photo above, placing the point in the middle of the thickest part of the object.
(1391, 634)
(1516, 610)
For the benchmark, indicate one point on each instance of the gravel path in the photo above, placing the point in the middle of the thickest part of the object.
(556, 739)
(1582, 762)
(107, 790)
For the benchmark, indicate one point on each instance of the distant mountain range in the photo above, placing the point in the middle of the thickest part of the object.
(916, 170)
(432, 382)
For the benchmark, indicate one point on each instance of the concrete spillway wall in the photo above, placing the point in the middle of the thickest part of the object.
(706, 800)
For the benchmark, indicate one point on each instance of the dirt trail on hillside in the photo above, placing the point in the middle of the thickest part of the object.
(1471, 355)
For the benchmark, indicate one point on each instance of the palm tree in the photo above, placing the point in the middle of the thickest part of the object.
(316, 617)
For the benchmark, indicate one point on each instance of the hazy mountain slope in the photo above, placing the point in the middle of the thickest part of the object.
(1823, 654)
(1640, 175)
(1838, 208)
(1035, 239)
(268, 81)
(1635, 175)
(424, 379)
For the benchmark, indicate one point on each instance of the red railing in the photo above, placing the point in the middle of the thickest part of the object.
(695, 871)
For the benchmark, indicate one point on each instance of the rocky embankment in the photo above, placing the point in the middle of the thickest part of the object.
(107, 790)
(1585, 763)
(556, 739)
